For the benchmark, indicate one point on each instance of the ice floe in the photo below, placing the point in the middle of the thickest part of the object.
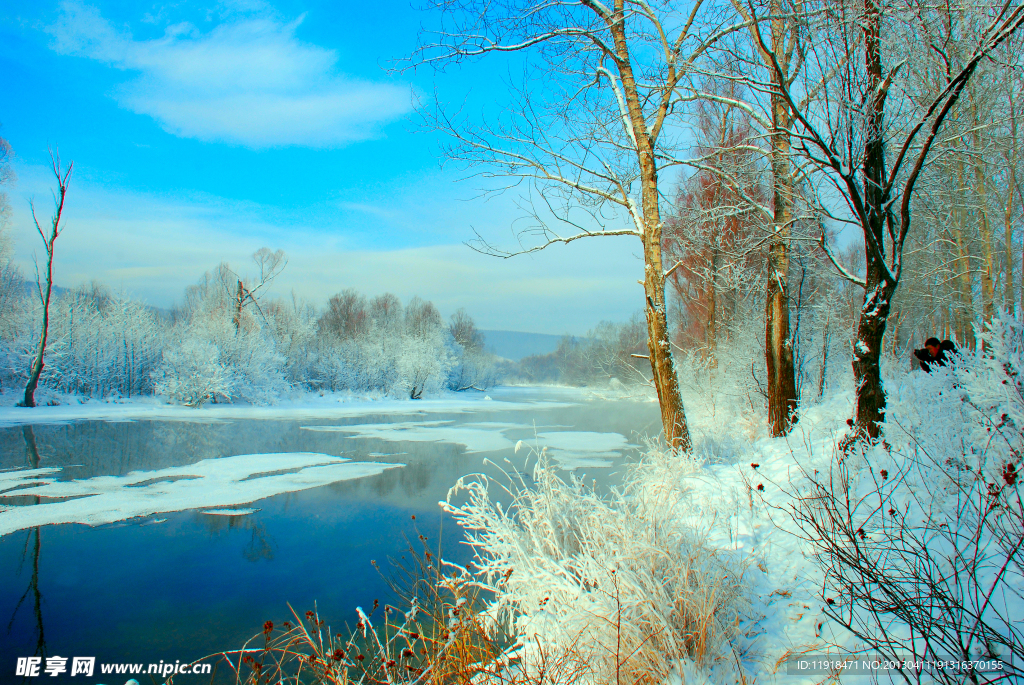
(224, 482)
(568, 449)
(582, 449)
(477, 437)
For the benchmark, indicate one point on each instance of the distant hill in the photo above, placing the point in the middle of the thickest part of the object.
(515, 345)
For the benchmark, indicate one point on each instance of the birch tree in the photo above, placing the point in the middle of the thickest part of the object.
(588, 128)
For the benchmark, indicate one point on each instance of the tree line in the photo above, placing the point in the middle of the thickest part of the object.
(227, 340)
(794, 124)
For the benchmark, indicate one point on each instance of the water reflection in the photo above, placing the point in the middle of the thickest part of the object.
(33, 539)
(183, 585)
(261, 543)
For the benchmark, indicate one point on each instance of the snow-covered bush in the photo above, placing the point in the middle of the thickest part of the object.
(472, 369)
(628, 576)
(100, 344)
(247, 365)
(921, 538)
(191, 373)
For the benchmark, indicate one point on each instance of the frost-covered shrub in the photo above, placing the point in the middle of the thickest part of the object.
(191, 373)
(100, 344)
(381, 347)
(472, 369)
(424, 361)
(628, 573)
(293, 326)
(921, 538)
(254, 369)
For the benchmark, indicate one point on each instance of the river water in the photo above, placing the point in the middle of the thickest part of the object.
(148, 538)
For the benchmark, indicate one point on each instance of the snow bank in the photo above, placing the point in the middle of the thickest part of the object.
(311, 407)
(224, 482)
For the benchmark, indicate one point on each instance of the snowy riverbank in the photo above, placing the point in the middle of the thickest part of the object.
(731, 564)
(304, 405)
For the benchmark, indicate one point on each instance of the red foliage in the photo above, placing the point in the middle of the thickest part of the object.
(714, 221)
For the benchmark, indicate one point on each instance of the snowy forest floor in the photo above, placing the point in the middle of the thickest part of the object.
(728, 564)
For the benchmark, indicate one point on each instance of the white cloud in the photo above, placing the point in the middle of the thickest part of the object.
(249, 81)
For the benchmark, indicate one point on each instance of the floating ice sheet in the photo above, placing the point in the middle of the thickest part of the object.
(224, 482)
(230, 512)
(579, 449)
(569, 449)
(477, 437)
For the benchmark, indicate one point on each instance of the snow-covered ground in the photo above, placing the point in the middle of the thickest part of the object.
(708, 568)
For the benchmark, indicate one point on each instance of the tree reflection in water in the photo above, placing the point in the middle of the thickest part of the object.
(33, 540)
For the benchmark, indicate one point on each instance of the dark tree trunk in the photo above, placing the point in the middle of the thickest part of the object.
(879, 287)
(867, 351)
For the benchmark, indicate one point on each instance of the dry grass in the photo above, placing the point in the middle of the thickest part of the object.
(443, 635)
(627, 574)
(568, 588)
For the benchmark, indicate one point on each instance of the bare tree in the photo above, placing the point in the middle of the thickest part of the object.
(45, 291)
(871, 150)
(346, 316)
(269, 266)
(464, 331)
(586, 135)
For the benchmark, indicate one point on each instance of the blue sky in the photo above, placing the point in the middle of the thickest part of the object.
(201, 131)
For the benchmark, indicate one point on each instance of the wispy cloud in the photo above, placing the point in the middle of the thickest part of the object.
(248, 81)
(152, 247)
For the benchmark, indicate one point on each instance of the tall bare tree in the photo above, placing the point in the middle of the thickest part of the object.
(44, 282)
(871, 150)
(588, 131)
(785, 34)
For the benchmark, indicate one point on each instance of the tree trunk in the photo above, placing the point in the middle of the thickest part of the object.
(237, 318)
(984, 227)
(711, 329)
(36, 369)
(879, 287)
(867, 350)
(964, 314)
(1008, 238)
(1011, 188)
(673, 418)
(778, 345)
(826, 334)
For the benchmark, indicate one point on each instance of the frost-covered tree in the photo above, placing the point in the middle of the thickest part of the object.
(102, 344)
(864, 132)
(191, 373)
(588, 133)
